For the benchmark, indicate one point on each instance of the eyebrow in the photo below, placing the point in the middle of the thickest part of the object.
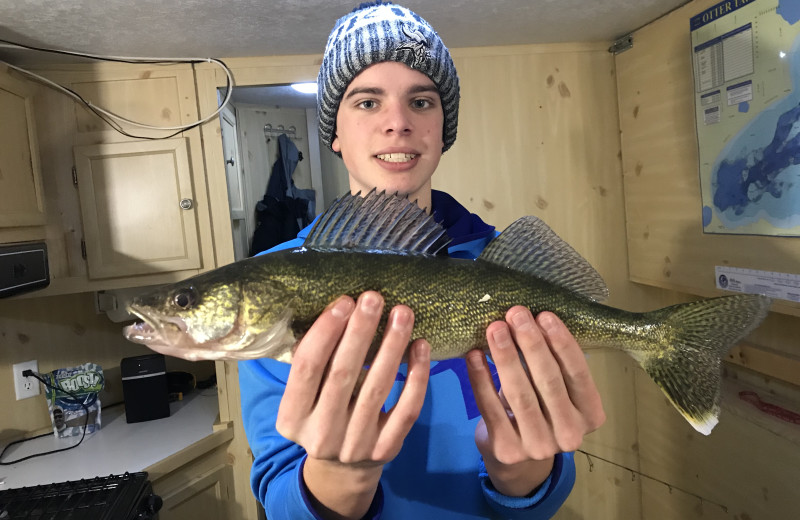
(376, 91)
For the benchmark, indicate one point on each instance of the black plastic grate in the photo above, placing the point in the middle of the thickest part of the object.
(101, 498)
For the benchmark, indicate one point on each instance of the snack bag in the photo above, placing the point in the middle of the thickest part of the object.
(67, 412)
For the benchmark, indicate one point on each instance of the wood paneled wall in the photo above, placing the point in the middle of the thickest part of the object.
(667, 246)
(747, 467)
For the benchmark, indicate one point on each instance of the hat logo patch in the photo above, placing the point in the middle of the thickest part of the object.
(417, 45)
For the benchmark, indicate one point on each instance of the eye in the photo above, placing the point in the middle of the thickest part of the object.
(367, 103)
(185, 298)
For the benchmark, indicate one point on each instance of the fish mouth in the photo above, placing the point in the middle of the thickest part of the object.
(151, 332)
(168, 336)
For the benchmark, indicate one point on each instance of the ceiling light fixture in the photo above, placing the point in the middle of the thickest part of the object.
(305, 88)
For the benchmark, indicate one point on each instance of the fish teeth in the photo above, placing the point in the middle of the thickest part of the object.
(396, 157)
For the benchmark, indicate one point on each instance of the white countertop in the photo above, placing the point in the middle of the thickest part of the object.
(117, 447)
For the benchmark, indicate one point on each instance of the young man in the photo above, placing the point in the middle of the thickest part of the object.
(437, 440)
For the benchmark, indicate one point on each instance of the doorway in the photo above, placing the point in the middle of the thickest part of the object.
(258, 115)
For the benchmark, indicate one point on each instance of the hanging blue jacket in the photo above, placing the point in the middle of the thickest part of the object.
(438, 472)
(284, 209)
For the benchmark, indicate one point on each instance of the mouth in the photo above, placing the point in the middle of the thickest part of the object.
(398, 157)
(141, 332)
(151, 332)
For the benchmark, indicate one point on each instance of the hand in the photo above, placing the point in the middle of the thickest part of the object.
(347, 437)
(547, 404)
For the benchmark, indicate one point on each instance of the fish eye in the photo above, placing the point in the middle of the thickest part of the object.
(185, 298)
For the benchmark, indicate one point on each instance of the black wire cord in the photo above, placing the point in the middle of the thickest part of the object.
(31, 373)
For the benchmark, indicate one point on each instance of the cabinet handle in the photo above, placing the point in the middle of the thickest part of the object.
(186, 203)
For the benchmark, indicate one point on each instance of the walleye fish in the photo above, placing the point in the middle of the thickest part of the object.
(257, 307)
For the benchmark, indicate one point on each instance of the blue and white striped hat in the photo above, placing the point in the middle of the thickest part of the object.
(376, 32)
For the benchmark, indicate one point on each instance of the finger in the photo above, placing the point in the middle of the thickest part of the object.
(310, 360)
(498, 424)
(383, 371)
(544, 369)
(564, 421)
(517, 386)
(519, 382)
(378, 383)
(574, 368)
(347, 362)
(503, 400)
(401, 418)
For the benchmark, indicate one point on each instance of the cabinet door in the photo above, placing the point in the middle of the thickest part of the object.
(203, 497)
(137, 208)
(21, 199)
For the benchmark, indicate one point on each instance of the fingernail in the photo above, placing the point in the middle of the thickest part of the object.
(341, 308)
(501, 336)
(521, 319)
(475, 361)
(547, 322)
(400, 319)
(370, 302)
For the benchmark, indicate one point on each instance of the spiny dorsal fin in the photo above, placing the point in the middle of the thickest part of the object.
(377, 222)
(530, 246)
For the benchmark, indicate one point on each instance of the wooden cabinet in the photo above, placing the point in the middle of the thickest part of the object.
(21, 197)
(197, 482)
(203, 496)
(137, 208)
(122, 211)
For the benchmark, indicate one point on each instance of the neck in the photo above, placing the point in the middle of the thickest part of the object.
(423, 200)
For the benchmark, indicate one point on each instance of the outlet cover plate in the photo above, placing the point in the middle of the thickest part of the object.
(25, 387)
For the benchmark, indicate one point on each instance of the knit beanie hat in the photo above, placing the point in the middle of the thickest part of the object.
(376, 32)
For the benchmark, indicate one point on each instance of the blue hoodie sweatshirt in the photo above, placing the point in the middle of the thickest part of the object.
(438, 472)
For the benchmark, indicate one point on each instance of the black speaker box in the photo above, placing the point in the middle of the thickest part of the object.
(23, 267)
(144, 387)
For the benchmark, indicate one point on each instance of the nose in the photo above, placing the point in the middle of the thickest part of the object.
(398, 120)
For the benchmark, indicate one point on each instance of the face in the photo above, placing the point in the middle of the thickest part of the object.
(389, 131)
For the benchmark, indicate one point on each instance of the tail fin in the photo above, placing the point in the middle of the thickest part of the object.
(694, 337)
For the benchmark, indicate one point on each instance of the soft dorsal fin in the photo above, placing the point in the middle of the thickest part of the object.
(530, 246)
(379, 223)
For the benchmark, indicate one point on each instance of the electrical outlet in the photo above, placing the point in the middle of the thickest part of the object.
(25, 387)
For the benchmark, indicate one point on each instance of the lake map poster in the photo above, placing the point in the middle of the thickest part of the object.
(746, 61)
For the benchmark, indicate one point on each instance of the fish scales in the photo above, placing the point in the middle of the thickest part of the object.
(453, 300)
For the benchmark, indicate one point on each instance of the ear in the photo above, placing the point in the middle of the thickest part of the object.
(335, 144)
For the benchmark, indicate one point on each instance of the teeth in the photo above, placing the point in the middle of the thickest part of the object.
(396, 157)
